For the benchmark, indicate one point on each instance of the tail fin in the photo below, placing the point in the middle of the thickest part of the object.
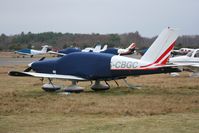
(132, 46)
(104, 48)
(160, 50)
(97, 48)
(45, 48)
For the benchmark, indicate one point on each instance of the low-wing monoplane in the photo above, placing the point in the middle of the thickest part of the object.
(91, 66)
(116, 51)
(191, 61)
(181, 51)
(97, 49)
(119, 51)
(32, 52)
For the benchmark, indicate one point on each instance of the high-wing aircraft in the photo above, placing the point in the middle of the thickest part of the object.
(32, 52)
(191, 60)
(91, 66)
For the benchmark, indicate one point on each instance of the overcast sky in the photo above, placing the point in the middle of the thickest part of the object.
(148, 17)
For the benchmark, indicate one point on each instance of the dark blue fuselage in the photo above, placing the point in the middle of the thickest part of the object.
(91, 66)
(73, 50)
(81, 64)
(69, 50)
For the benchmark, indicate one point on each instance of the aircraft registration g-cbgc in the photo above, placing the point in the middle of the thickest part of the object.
(90, 66)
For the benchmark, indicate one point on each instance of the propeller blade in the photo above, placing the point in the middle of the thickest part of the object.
(28, 69)
(42, 58)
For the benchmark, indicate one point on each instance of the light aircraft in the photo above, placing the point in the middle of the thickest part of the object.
(116, 51)
(91, 66)
(182, 51)
(191, 60)
(119, 51)
(32, 52)
(97, 49)
(66, 51)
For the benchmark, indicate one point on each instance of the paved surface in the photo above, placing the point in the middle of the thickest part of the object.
(7, 61)
(15, 61)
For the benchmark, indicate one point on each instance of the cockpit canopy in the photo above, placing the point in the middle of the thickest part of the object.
(194, 54)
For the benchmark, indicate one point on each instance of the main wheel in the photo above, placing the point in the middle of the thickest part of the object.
(50, 87)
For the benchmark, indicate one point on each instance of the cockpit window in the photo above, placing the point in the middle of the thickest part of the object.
(197, 54)
(190, 54)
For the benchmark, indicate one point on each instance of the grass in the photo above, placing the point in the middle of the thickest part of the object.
(50, 123)
(163, 104)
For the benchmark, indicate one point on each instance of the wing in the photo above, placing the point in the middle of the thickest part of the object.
(44, 75)
(52, 52)
(22, 53)
(195, 65)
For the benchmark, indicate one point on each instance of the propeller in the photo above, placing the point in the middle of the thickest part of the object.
(42, 59)
(30, 68)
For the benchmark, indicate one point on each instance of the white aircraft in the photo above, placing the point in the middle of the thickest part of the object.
(129, 50)
(116, 51)
(97, 49)
(182, 51)
(191, 60)
(32, 52)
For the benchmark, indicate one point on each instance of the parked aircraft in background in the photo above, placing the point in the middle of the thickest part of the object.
(66, 51)
(32, 52)
(182, 51)
(97, 49)
(116, 51)
(89, 66)
(191, 60)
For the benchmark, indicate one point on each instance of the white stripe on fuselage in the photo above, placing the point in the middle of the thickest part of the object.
(121, 62)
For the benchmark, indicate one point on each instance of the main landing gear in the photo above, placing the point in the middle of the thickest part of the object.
(74, 88)
(99, 87)
(50, 87)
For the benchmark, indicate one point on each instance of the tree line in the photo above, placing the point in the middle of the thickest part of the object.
(64, 40)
